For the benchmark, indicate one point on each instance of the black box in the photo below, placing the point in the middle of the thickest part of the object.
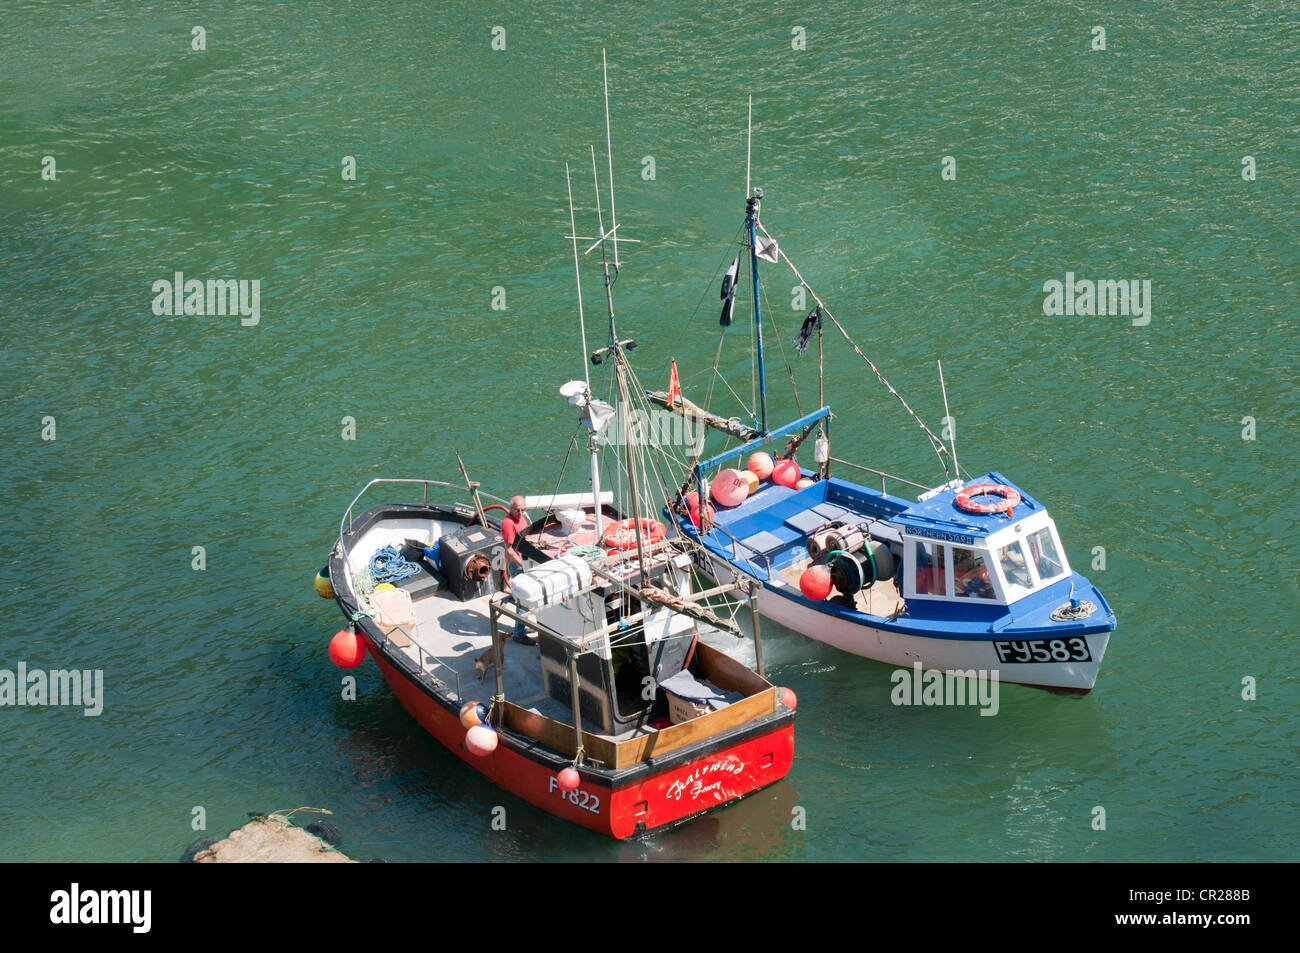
(455, 552)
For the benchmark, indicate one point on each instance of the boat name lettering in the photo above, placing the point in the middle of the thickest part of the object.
(940, 534)
(694, 785)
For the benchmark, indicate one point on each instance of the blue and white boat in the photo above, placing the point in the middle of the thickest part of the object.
(969, 577)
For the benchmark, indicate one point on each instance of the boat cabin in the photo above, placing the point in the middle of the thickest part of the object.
(953, 555)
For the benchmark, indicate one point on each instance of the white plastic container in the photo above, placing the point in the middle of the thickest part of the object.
(551, 583)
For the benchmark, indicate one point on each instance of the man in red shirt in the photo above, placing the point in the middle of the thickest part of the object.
(511, 528)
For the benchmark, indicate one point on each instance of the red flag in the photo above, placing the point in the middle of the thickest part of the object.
(674, 388)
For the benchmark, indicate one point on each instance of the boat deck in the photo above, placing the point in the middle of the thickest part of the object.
(882, 599)
(451, 636)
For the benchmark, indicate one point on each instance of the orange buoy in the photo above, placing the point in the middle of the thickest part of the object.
(473, 713)
(790, 700)
(569, 779)
(760, 464)
(347, 649)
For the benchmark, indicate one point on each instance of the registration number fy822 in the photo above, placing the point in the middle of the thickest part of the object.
(583, 799)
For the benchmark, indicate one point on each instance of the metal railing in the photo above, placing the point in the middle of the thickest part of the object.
(425, 484)
(880, 473)
(737, 544)
(459, 487)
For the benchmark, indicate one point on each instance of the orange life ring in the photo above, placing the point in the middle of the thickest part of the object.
(622, 535)
(1008, 502)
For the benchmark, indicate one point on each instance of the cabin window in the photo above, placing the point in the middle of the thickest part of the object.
(1046, 557)
(931, 569)
(1015, 570)
(970, 574)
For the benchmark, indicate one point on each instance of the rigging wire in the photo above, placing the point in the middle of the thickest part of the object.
(789, 368)
(939, 447)
(735, 240)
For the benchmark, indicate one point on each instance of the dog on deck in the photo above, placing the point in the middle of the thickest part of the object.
(485, 661)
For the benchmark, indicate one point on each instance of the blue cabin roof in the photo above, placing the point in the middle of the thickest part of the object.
(939, 517)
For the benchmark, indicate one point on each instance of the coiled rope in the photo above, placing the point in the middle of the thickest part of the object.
(388, 565)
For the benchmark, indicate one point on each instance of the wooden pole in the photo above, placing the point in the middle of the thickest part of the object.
(498, 660)
(473, 490)
(754, 588)
(577, 707)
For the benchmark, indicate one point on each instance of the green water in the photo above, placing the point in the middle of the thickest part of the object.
(176, 432)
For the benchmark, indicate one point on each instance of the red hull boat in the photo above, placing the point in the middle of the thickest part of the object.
(636, 774)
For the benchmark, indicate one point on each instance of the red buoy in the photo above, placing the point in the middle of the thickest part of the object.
(815, 583)
(568, 779)
(347, 649)
(693, 505)
(786, 473)
(789, 700)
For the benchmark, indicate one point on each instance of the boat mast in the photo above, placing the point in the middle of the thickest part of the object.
(592, 445)
(616, 350)
(752, 202)
(624, 397)
(751, 215)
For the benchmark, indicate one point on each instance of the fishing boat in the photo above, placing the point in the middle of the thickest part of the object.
(606, 708)
(968, 577)
(579, 724)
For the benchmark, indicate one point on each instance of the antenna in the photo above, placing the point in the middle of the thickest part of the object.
(600, 220)
(609, 149)
(952, 424)
(577, 274)
(749, 142)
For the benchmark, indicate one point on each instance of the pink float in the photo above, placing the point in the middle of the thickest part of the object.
(729, 488)
(481, 740)
(760, 464)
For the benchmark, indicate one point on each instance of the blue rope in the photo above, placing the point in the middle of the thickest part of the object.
(388, 565)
